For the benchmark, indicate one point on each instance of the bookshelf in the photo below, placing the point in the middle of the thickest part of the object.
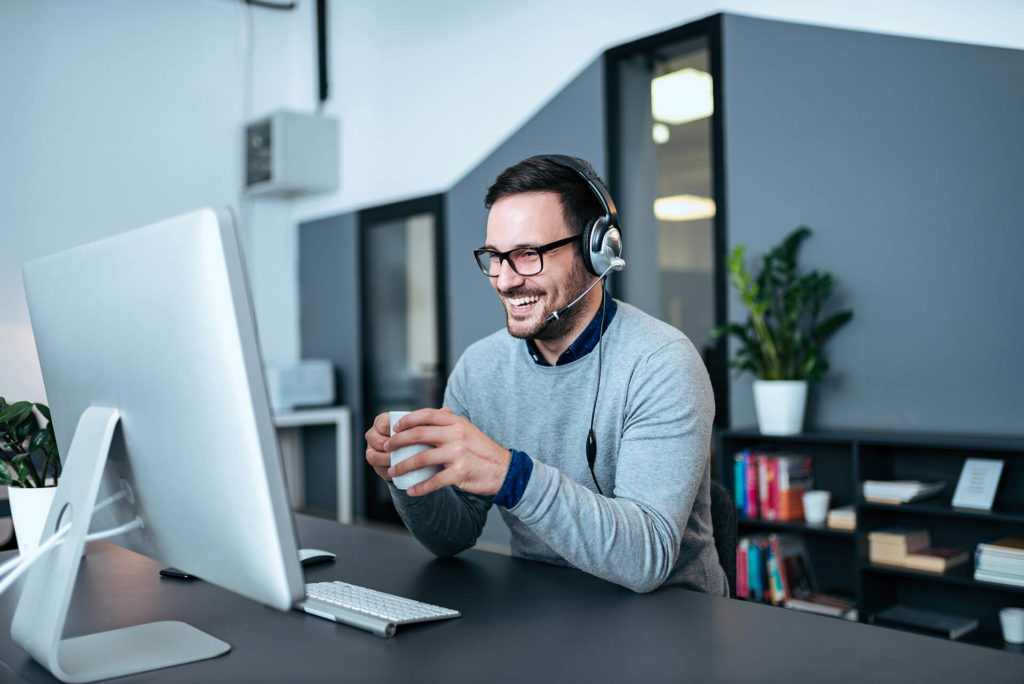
(842, 461)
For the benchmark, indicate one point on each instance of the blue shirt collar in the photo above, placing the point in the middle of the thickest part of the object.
(585, 343)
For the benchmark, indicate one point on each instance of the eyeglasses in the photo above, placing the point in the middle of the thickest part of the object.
(526, 261)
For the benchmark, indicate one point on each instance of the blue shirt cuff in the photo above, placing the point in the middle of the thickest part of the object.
(518, 476)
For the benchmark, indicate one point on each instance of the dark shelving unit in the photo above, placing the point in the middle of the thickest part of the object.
(843, 460)
(791, 526)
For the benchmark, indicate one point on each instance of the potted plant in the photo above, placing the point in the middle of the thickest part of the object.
(29, 466)
(782, 339)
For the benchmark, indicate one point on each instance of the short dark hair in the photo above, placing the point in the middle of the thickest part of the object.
(579, 203)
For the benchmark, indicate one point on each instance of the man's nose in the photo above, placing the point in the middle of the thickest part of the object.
(507, 277)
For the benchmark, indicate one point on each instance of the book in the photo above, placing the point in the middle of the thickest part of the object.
(742, 573)
(774, 578)
(922, 621)
(740, 482)
(754, 570)
(823, 604)
(999, 578)
(996, 563)
(793, 566)
(762, 487)
(909, 538)
(842, 518)
(936, 559)
(886, 554)
(890, 545)
(899, 491)
(778, 568)
(795, 476)
(1012, 547)
(751, 482)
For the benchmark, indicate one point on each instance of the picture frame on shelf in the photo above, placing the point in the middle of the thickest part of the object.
(978, 482)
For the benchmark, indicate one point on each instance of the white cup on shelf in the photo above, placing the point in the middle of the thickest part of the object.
(1012, 621)
(816, 505)
(416, 476)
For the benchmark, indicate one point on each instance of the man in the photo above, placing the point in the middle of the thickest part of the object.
(520, 410)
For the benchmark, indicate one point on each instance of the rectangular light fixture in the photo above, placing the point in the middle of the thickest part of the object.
(682, 96)
(683, 208)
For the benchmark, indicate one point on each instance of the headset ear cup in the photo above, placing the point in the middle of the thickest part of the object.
(598, 259)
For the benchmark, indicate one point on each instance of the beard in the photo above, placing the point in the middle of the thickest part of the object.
(576, 283)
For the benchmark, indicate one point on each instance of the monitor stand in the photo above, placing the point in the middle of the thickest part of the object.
(43, 607)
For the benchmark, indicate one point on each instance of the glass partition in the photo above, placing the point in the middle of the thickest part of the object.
(663, 109)
(402, 321)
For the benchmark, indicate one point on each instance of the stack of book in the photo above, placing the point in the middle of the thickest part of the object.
(909, 548)
(890, 545)
(771, 487)
(843, 518)
(774, 568)
(899, 491)
(1001, 561)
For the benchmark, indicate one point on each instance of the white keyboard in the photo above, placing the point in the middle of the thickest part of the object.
(368, 609)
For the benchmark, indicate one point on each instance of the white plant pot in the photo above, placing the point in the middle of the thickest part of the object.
(780, 406)
(29, 508)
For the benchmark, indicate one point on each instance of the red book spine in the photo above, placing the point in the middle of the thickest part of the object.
(752, 510)
(762, 486)
(773, 488)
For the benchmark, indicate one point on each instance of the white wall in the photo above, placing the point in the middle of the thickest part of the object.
(114, 113)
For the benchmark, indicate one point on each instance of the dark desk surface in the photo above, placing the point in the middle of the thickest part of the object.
(522, 621)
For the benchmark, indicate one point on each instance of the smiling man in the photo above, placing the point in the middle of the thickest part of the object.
(586, 421)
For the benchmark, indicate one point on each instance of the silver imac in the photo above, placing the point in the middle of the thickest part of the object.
(149, 354)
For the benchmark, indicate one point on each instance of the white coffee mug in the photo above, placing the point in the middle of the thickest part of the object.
(416, 476)
(1012, 621)
(816, 505)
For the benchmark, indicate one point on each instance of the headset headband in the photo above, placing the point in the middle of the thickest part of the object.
(586, 172)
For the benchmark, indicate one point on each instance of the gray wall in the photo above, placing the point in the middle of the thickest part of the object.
(906, 158)
(329, 324)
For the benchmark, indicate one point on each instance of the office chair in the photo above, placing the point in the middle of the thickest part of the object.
(723, 525)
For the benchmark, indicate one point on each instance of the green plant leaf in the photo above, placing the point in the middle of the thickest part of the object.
(45, 410)
(831, 325)
(39, 441)
(15, 413)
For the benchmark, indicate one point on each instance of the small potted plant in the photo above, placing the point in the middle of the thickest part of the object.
(782, 339)
(29, 466)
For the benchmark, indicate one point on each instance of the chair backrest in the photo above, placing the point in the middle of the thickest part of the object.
(723, 524)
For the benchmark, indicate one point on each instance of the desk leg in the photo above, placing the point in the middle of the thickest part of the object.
(343, 455)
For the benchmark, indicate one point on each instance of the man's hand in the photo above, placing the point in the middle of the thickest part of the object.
(376, 437)
(472, 461)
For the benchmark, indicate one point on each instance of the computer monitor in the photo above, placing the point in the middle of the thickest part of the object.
(149, 354)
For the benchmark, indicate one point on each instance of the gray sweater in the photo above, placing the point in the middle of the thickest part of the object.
(653, 429)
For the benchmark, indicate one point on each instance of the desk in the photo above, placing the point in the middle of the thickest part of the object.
(522, 621)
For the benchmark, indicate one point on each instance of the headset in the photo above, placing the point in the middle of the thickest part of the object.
(602, 254)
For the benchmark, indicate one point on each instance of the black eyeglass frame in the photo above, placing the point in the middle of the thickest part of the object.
(507, 256)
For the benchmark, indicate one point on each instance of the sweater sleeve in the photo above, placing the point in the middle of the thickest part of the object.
(633, 538)
(449, 520)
